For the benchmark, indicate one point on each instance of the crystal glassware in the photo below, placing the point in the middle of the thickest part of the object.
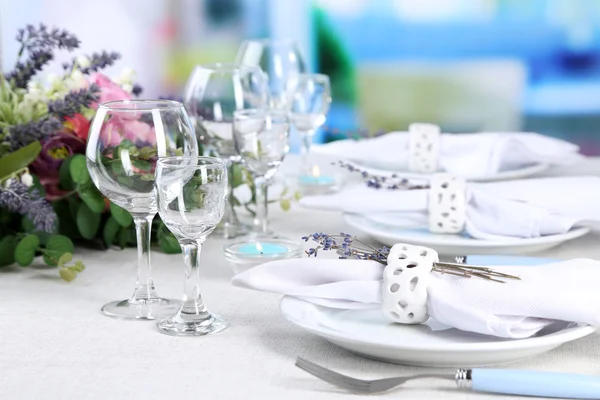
(281, 61)
(126, 139)
(212, 94)
(191, 194)
(261, 138)
(309, 108)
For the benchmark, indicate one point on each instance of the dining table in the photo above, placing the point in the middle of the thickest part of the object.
(56, 344)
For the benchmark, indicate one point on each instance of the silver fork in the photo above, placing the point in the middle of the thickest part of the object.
(358, 385)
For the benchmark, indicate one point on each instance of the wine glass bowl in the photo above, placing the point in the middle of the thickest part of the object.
(191, 194)
(281, 61)
(125, 141)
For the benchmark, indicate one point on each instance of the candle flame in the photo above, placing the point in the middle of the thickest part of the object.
(316, 172)
(259, 247)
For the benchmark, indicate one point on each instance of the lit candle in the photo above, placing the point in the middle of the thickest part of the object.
(263, 248)
(316, 179)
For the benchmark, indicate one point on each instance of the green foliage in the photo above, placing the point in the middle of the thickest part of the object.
(92, 198)
(87, 221)
(78, 170)
(8, 245)
(110, 231)
(18, 160)
(26, 249)
(121, 215)
(55, 248)
(166, 240)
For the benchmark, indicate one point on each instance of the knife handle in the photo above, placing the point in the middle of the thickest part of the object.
(531, 383)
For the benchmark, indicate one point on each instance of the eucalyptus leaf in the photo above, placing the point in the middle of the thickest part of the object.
(57, 246)
(19, 159)
(110, 231)
(92, 198)
(297, 195)
(285, 204)
(64, 175)
(7, 250)
(142, 165)
(169, 244)
(25, 250)
(78, 170)
(67, 274)
(87, 222)
(64, 259)
(121, 215)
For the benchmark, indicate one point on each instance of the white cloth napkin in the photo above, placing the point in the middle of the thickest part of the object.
(564, 291)
(467, 154)
(495, 211)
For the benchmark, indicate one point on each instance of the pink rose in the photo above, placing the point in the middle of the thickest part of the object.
(109, 91)
(118, 129)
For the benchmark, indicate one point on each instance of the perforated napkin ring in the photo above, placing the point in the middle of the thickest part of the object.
(447, 204)
(424, 147)
(405, 280)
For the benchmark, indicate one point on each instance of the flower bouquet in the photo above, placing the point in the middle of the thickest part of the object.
(47, 199)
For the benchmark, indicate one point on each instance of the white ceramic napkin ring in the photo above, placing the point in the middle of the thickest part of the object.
(405, 280)
(447, 204)
(423, 147)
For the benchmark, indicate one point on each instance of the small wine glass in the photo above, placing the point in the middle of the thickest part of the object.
(261, 139)
(126, 139)
(191, 194)
(283, 63)
(212, 94)
(310, 105)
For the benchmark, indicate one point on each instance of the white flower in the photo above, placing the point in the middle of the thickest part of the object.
(243, 193)
(76, 80)
(8, 182)
(83, 61)
(127, 76)
(53, 79)
(27, 179)
(127, 87)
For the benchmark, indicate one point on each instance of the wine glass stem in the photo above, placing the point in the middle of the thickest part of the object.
(260, 218)
(229, 216)
(144, 288)
(192, 300)
(307, 139)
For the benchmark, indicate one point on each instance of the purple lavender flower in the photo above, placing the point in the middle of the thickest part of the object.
(18, 198)
(74, 101)
(24, 71)
(23, 134)
(98, 61)
(137, 89)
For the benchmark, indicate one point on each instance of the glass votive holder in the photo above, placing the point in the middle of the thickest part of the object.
(322, 176)
(248, 253)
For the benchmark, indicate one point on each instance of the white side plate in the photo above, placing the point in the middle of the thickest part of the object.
(455, 245)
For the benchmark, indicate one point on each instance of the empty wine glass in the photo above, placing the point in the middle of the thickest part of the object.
(309, 108)
(191, 194)
(126, 139)
(261, 140)
(281, 60)
(212, 94)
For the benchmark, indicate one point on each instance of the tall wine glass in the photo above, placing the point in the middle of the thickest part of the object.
(212, 94)
(309, 108)
(191, 195)
(281, 60)
(126, 139)
(261, 140)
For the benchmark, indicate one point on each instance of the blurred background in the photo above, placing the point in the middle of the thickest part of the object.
(468, 65)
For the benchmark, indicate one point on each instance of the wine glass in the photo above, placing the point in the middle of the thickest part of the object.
(212, 94)
(309, 108)
(191, 194)
(261, 140)
(126, 139)
(281, 60)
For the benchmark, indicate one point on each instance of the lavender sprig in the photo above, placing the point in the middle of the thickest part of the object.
(23, 134)
(72, 103)
(349, 247)
(98, 61)
(18, 198)
(392, 182)
(24, 71)
(137, 89)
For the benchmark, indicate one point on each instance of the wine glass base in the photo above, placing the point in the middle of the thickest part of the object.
(228, 230)
(148, 309)
(207, 324)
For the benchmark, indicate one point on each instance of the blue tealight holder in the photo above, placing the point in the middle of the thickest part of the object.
(245, 254)
(321, 179)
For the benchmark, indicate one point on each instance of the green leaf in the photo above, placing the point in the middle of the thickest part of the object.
(78, 170)
(284, 192)
(66, 223)
(7, 250)
(121, 215)
(17, 160)
(297, 195)
(64, 175)
(123, 238)
(79, 267)
(92, 198)
(57, 246)
(67, 274)
(169, 244)
(38, 186)
(110, 231)
(237, 178)
(285, 204)
(27, 225)
(87, 221)
(25, 250)
(65, 258)
(142, 164)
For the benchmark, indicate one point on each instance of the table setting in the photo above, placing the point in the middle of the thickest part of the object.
(418, 263)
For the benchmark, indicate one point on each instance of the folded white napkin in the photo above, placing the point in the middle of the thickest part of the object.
(564, 291)
(498, 210)
(470, 155)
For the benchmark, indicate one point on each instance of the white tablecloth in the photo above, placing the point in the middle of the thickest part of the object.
(55, 344)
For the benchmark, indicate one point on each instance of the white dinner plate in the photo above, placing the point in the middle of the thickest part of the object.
(456, 244)
(379, 167)
(367, 333)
